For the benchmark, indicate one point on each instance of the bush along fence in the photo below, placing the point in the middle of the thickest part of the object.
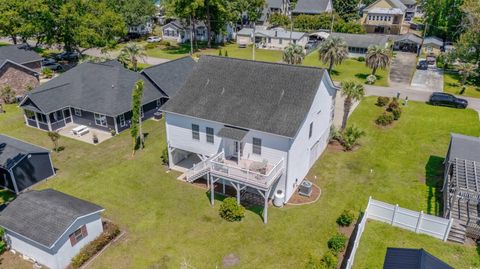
(415, 221)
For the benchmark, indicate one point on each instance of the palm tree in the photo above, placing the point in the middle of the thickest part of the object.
(351, 91)
(377, 57)
(293, 54)
(466, 70)
(130, 54)
(333, 51)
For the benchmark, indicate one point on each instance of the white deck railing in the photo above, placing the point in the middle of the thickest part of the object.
(200, 167)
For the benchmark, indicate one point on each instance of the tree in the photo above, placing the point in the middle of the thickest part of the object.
(352, 92)
(466, 70)
(293, 54)
(347, 9)
(7, 95)
(133, 12)
(10, 18)
(279, 19)
(54, 137)
(136, 125)
(377, 57)
(333, 51)
(130, 54)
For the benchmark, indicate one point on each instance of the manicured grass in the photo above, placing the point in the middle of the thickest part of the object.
(378, 236)
(452, 84)
(169, 222)
(350, 69)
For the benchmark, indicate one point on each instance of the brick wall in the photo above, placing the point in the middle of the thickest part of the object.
(17, 78)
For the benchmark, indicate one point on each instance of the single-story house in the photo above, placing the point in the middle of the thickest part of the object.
(275, 38)
(461, 186)
(180, 32)
(312, 7)
(432, 44)
(403, 258)
(254, 126)
(407, 43)
(141, 29)
(19, 68)
(50, 227)
(96, 95)
(23, 164)
(358, 43)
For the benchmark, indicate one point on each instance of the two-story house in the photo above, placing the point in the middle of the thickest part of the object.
(255, 126)
(385, 17)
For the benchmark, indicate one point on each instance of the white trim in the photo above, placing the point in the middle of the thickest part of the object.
(19, 65)
(75, 110)
(100, 116)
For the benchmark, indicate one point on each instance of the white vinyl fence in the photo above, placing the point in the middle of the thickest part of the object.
(417, 222)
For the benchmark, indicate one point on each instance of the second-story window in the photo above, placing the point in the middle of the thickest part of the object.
(257, 146)
(210, 138)
(195, 132)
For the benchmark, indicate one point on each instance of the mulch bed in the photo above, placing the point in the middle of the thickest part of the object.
(298, 199)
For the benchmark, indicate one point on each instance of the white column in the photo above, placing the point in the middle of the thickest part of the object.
(212, 191)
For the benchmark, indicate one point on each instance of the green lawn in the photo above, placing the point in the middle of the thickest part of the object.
(350, 69)
(452, 84)
(169, 222)
(378, 236)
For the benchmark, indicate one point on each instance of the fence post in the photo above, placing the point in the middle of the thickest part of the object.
(368, 206)
(419, 222)
(394, 213)
(447, 231)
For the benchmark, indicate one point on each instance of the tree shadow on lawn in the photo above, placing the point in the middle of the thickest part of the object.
(434, 181)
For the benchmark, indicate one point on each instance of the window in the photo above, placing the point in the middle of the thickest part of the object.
(77, 112)
(269, 40)
(195, 132)
(257, 146)
(30, 114)
(121, 119)
(100, 119)
(42, 118)
(78, 235)
(280, 41)
(210, 138)
(310, 131)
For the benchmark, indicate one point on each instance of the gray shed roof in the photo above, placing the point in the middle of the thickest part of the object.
(464, 147)
(311, 6)
(363, 40)
(44, 216)
(268, 97)
(409, 37)
(432, 40)
(402, 258)
(13, 150)
(96, 87)
(18, 53)
(232, 133)
(170, 76)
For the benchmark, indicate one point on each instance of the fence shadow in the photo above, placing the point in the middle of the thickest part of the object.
(351, 241)
(434, 181)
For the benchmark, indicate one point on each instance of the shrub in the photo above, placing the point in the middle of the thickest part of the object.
(3, 244)
(350, 136)
(226, 53)
(382, 101)
(384, 119)
(396, 113)
(329, 260)
(346, 218)
(165, 43)
(371, 79)
(48, 73)
(219, 52)
(109, 233)
(150, 46)
(393, 104)
(361, 59)
(313, 263)
(231, 211)
(164, 156)
(337, 243)
(7, 95)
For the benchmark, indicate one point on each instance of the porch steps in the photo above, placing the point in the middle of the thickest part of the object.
(198, 174)
(457, 233)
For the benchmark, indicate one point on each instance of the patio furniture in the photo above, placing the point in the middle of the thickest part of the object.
(259, 167)
(80, 130)
(84, 131)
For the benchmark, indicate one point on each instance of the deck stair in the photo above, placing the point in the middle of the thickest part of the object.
(200, 169)
(465, 212)
(457, 233)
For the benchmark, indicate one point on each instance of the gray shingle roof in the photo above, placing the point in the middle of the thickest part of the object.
(232, 133)
(170, 76)
(97, 87)
(464, 147)
(18, 53)
(311, 6)
(43, 216)
(268, 97)
(13, 150)
(410, 36)
(402, 258)
(275, 3)
(409, 2)
(362, 40)
(393, 4)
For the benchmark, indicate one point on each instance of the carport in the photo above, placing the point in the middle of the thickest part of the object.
(407, 43)
(23, 164)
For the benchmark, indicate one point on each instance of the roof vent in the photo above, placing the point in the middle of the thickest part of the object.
(113, 86)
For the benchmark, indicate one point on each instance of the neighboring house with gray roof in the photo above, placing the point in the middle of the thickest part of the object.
(19, 68)
(181, 32)
(358, 43)
(385, 17)
(255, 126)
(49, 226)
(97, 95)
(312, 7)
(275, 38)
(23, 164)
(407, 43)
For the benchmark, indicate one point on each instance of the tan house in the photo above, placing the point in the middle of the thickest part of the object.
(385, 17)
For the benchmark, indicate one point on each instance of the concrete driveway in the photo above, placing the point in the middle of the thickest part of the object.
(402, 68)
(430, 80)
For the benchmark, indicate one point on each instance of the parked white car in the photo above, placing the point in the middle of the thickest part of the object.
(153, 39)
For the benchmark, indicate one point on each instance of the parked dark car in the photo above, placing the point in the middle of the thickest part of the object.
(68, 56)
(445, 99)
(422, 65)
(53, 66)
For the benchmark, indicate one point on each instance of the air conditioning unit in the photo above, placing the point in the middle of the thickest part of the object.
(305, 189)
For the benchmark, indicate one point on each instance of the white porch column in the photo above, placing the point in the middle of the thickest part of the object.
(212, 190)
(36, 119)
(115, 123)
(48, 122)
